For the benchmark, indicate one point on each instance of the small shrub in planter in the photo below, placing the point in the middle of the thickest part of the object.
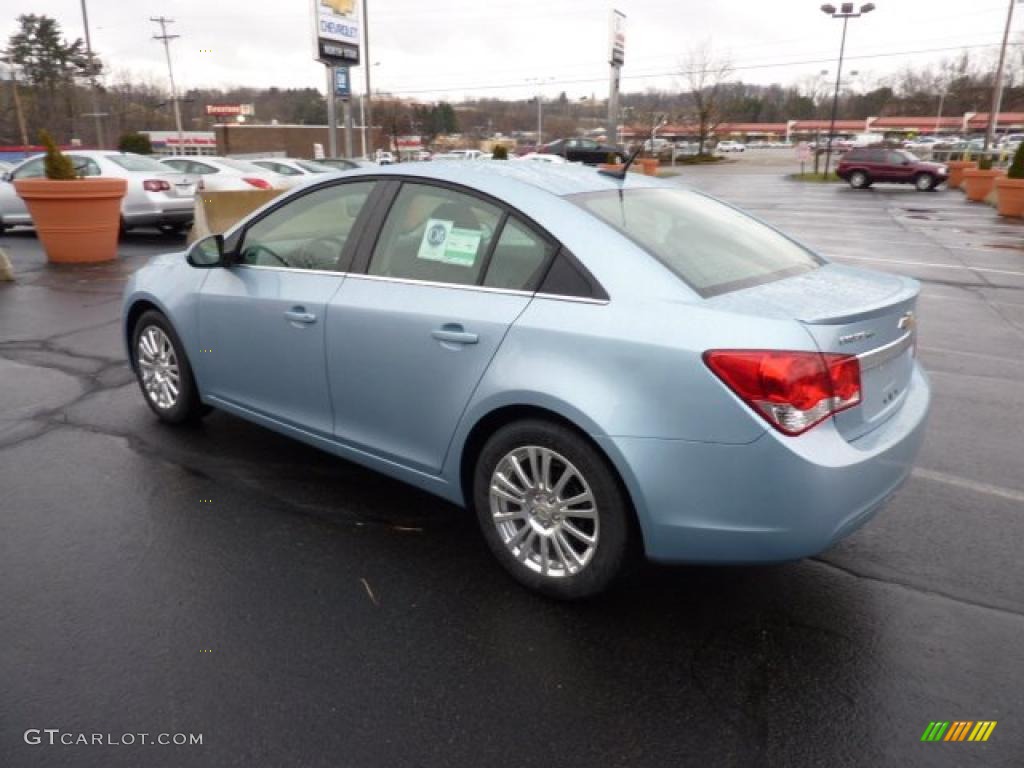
(985, 163)
(500, 153)
(76, 219)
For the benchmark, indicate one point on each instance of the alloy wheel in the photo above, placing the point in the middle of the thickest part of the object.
(158, 367)
(544, 511)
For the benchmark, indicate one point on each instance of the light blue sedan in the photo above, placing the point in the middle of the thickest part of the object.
(598, 367)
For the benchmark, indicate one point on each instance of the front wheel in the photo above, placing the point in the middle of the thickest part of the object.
(163, 370)
(552, 510)
(859, 180)
(924, 182)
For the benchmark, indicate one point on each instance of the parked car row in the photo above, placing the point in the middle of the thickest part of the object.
(158, 195)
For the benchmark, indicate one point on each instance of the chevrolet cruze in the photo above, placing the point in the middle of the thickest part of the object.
(598, 367)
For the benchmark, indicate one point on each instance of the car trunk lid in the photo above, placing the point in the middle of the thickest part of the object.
(848, 311)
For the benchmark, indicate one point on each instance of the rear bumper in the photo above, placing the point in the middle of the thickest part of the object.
(176, 214)
(775, 499)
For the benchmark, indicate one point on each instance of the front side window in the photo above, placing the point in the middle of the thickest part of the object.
(435, 234)
(309, 232)
(714, 248)
(85, 166)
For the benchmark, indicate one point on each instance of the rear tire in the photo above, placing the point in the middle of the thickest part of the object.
(924, 182)
(560, 524)
(860, 180)
(163, 371)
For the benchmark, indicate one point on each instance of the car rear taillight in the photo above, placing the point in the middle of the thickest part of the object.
(793, 391)
(156, 185)
(253, 181)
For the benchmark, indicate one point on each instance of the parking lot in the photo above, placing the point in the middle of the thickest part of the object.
(299, 610)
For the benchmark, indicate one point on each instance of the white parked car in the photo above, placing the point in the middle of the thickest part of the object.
(157, 196)
(293, 170)
(730, 146)
(219, 174)
(384, 158)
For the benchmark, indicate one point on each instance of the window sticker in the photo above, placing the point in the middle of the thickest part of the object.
(448, 244)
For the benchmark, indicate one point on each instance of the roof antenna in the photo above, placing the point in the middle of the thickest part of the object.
(659, 121)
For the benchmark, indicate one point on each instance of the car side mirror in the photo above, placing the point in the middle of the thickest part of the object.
(207, 253)
(7, 176)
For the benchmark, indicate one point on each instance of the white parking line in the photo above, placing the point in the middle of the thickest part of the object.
(929, 265)
(969, 485)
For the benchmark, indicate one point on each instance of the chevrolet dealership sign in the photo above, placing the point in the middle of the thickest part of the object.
(336, 32)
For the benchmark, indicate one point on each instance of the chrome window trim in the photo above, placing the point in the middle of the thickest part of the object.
(575, 299)
(429, 283)
(882, 355)
(289, 269)
(437, 284)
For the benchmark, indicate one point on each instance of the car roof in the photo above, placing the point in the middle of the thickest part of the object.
(498, 177)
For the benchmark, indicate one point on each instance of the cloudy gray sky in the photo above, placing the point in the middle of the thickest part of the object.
(452, 48)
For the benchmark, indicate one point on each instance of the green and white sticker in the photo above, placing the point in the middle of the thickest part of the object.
(448, 244)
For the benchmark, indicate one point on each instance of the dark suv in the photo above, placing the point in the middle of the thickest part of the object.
(864, 166)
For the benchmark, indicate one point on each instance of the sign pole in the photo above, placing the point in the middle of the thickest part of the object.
(347, 110)
(332, 116)
(613, 106)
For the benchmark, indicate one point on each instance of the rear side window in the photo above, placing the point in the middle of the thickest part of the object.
(519, 258)
(857, 154)
(714, 248)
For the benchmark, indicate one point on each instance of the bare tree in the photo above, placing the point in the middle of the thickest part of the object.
(705, 74)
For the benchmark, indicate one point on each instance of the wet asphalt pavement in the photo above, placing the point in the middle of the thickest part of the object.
(297, 610)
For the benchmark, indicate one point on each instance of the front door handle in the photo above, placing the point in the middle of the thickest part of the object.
(300, 315)
(453, 333)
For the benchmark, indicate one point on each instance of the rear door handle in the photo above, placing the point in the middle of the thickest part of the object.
(300, 315)
(453, 333)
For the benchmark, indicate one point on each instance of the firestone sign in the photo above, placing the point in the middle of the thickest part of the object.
(336, 32)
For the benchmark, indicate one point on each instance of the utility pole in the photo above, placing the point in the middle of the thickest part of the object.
(540, 120)
(166, 40)
(367, 105)
(997, 86)
(96, 114)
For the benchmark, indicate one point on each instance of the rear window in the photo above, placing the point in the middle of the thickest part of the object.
(714, 248)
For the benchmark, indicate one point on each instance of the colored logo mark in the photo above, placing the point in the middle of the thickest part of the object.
(959, 730)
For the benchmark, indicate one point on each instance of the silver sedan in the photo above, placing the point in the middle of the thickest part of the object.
(156, 197)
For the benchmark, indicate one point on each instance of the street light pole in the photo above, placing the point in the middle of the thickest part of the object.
(997, 86)
(97, 115)
(845, 13)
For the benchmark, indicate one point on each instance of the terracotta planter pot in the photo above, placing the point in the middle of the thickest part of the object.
(650, 165)
(1010, 194)
(77, 221)
(956, 172)
(978, 183)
